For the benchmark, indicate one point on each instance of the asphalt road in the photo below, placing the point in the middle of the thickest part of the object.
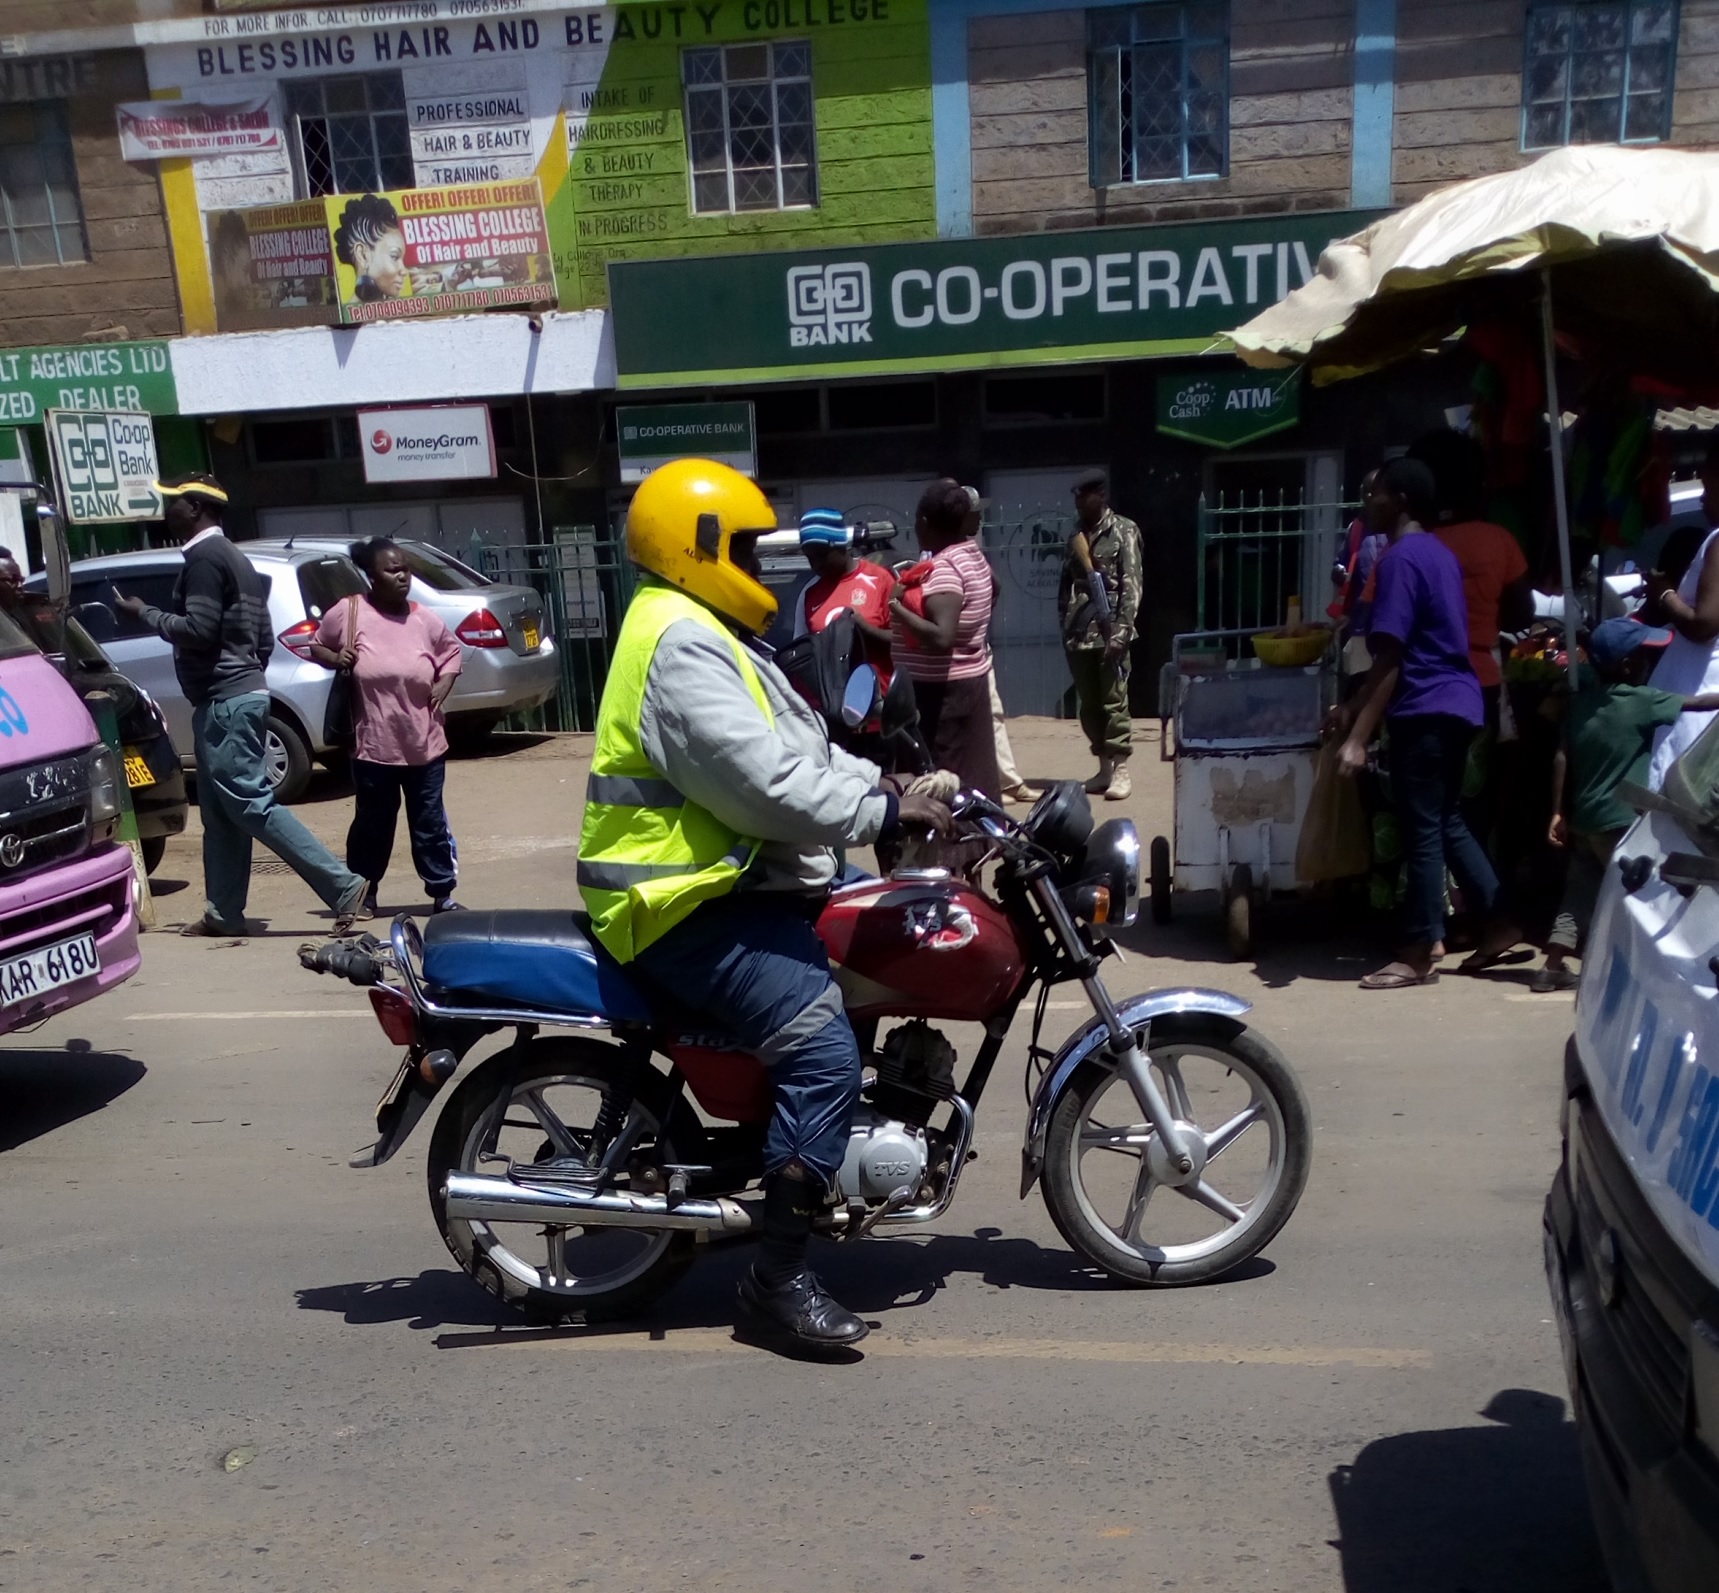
(229, 1361)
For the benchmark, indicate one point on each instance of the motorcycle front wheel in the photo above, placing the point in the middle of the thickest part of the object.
(553, 1274)
(1104, 1180)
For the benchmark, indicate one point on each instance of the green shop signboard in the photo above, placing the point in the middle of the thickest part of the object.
(1228, 408)
(86, 376)
(1111, 293)
(650, 435)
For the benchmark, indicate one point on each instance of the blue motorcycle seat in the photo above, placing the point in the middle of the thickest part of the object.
(545, 960)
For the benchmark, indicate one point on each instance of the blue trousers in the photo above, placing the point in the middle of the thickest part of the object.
(753, 967)
(1428, 754)
(237, 807)
(370, 841)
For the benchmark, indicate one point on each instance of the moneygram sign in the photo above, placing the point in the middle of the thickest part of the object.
(440, 443)
(1111, 293)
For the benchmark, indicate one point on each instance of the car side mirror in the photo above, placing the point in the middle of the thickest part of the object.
(859, 697)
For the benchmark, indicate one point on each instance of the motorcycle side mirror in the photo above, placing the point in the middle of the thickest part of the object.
(859, 697)
(900, 711)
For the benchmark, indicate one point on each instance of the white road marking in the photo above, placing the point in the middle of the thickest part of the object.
(294, 1012)
(720, 1341)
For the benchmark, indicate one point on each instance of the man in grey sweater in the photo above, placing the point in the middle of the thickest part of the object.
(219, 628)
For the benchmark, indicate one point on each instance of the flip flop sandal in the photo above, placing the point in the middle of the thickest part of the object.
(207, 927)
(1398, 976)
(1479, 961)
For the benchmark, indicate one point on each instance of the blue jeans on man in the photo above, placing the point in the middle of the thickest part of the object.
(238, 806)
(1428, 754)
(752, 965)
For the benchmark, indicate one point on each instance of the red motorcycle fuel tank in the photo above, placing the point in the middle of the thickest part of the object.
(921, 947)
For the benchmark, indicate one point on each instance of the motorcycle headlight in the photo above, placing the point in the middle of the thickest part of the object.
(1106, 892)
(104, 787)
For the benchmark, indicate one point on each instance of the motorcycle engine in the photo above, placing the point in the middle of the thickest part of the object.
(887, 1147)
(883, 1155)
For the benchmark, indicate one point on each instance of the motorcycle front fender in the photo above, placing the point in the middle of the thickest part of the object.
(1137, 1012)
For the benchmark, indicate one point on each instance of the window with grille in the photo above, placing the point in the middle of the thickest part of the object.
(39, 204)
(352, 135)
(1158, 92)
(749, 127)
(1598, 73)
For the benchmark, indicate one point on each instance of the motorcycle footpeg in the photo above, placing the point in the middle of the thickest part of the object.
(680, 1181)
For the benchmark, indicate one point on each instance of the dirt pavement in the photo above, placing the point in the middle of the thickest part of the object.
(193, 1281)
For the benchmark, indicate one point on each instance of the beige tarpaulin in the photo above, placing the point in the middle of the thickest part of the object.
(1631, 237)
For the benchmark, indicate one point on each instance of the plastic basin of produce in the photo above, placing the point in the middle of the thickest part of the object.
(1292, 652)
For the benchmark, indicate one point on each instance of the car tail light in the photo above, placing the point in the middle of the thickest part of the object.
(297, 638)
(394, 1012)
(481, 629)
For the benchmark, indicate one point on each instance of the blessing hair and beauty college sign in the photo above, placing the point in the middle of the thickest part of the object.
(1109, 293)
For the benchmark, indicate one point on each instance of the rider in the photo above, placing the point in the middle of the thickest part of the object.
(713, 811)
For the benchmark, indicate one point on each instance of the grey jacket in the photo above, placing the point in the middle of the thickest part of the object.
(783, 785)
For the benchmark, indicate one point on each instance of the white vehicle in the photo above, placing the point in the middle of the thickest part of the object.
(1632, 1222)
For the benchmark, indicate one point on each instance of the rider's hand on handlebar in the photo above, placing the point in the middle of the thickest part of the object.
(941, 785)
(918, 812)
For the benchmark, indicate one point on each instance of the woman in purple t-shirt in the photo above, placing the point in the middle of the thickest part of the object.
(1423, 686)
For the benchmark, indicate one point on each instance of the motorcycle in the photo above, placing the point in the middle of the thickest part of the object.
(575, 1172)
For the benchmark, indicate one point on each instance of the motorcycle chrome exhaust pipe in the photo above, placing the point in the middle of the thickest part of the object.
(477, 1198)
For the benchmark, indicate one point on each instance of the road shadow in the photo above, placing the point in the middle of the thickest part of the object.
(46, 1089)
(499, 744)
(1295, 937)
(433, 1299)
(1498, 1509)
(875, 1278)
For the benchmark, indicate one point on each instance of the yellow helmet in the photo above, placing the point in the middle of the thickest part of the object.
(680, 525)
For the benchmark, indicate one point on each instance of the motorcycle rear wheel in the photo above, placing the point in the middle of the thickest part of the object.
(1248, 1107)
(553, 1274)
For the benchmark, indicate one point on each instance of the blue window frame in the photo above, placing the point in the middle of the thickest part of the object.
(1158, 92)
(1598, 72)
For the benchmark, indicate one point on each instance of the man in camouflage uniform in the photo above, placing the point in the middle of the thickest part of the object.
(1098, 598)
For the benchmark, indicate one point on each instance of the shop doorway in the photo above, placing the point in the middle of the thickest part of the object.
(1270, 525)
(1027, 523)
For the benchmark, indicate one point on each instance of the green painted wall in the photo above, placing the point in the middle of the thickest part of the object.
(627, 195)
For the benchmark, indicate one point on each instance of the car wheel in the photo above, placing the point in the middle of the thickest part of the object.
(286, 760)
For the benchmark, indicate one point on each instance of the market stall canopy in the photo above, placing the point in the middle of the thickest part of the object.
(1630, 236)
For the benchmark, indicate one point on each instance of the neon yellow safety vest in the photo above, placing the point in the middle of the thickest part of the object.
(647, 856)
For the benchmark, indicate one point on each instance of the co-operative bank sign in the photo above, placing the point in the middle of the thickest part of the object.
(1109, 293)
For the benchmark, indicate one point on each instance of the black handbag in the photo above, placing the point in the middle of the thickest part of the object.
(340, 716)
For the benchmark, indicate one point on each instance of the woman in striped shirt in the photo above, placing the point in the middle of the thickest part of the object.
(944, 647)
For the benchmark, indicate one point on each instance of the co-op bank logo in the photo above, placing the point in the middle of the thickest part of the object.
(829, 304)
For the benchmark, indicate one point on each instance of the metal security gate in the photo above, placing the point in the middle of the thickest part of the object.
(585, 581)
(1259, 551)
(1026, 638)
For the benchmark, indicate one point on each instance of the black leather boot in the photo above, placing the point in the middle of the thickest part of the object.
(780, 1292)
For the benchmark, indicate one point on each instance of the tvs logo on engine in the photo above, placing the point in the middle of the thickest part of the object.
(381, 442)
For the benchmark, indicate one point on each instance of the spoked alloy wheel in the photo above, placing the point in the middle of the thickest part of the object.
(551, 1273)
(1110, 1190)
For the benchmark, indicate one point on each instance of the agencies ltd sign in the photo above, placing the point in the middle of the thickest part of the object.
(1104, 293)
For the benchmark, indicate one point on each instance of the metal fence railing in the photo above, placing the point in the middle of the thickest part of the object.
(1256, 553)
(585, 581)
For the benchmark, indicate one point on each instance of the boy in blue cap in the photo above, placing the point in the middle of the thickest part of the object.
(842, 582)
(1608, 739)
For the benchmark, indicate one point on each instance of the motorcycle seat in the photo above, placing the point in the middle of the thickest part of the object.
(545, 960)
